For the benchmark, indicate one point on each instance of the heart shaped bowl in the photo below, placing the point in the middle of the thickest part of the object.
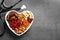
(26, 13)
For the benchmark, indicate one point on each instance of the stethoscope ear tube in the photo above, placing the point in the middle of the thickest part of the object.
(2, 28)
(2, 2)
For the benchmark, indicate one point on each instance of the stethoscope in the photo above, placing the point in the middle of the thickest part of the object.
(4, 9)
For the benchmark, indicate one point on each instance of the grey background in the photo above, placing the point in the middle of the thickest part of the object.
(46, 25)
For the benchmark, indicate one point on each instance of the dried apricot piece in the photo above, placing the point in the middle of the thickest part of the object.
(26, 23)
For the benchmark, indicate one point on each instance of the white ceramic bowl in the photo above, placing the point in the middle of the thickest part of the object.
(11, 28)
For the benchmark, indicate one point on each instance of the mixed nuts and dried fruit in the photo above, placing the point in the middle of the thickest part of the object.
(19, 22)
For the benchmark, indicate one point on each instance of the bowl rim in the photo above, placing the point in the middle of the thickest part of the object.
(11, 28)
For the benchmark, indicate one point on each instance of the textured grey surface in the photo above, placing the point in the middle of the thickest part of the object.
(46, 25)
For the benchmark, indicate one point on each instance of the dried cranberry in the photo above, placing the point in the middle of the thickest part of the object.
(15, 24)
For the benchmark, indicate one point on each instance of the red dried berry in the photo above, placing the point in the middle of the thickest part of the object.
(15, 24)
